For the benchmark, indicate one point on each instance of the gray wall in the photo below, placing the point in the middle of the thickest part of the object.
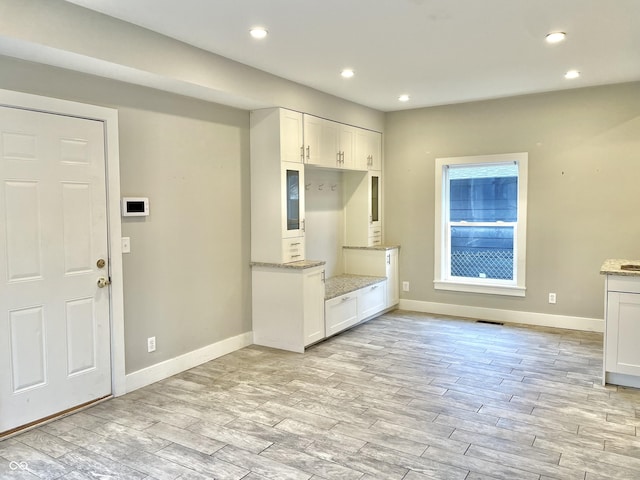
(583, 203)
(187, 280)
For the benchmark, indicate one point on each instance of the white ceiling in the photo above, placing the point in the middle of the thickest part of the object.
(437, 51)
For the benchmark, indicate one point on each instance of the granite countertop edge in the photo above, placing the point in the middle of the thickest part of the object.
(612, 266)
(374, 247)
(300, 265)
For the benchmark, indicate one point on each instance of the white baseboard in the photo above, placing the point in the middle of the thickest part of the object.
(506, 316)
(162, 370)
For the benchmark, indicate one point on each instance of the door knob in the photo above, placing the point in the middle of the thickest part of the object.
(103, 282)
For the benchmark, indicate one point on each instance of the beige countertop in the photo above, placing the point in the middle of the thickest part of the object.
(301, 265)
(614, 266)
(375, 247)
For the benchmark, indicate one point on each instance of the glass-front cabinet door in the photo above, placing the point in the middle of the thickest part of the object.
(293, 199)
(374, 199)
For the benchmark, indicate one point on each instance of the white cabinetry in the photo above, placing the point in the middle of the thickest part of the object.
(371, 300)
(363, 208)
(277, 186)
(329, 144)
(380, 261)
(341, 313)
(622, 331)
(288, 305)
(368, 153)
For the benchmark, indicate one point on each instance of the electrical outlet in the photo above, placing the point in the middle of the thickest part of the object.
(552, 298)
(405, 286)
(151, 344)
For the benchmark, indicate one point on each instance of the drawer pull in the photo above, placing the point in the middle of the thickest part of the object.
(295, 256)
(344, 299)
(294, 244)
(374, 287)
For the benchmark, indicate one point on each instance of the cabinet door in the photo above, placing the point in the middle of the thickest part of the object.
(368, 151)
(374, 200)
(622, 333)
(312, 139)
(341, 313)
(375, 147)
(291, 136)
(393, 282)
(363, 149)
(292, 200)
(321, 142)
(313, 306)
(347, 146)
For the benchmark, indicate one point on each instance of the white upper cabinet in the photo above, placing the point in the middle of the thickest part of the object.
(347, 146)
(314, 140)
(329, 144)
(291, 136)
(368, 150)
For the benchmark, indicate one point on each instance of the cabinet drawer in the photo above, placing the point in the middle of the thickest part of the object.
(623, 283)
(341, 313)
(374, 236)
(375, 231)
(373, 241)
(292, 249)
(371, 300)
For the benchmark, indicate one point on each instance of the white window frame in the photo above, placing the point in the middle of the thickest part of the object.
(442, 279)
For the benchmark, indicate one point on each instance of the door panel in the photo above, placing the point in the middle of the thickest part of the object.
(81, 335)
(77, 228)
(54, 320)
(28, 367)
(22, 221)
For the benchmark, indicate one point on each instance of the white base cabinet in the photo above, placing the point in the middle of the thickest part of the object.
(371, 300)
(622, 331)
(288, 306)
(341, 313)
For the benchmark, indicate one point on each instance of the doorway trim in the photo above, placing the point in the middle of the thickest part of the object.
(109, 118)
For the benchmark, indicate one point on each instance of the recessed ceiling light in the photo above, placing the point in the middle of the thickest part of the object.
(347, 73)
(404, 98)
(258, 32)
(555, 37)
(571, 74)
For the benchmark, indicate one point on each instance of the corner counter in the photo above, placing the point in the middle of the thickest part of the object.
(621, 365)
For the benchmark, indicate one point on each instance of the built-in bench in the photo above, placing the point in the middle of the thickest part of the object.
(341, 284)
(351, 299)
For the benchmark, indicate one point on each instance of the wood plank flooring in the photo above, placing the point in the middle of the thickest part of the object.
(405, 396)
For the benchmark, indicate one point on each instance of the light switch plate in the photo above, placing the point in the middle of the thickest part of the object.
(126, 245)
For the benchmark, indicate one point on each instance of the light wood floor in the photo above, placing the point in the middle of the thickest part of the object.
(405, 396)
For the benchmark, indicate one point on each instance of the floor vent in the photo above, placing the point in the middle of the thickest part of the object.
(490, 322)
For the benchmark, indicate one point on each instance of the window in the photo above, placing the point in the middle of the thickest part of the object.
(481, 205)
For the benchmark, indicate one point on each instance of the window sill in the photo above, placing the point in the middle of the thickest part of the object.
(509, 290)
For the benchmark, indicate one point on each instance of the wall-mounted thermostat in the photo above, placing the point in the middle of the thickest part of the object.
(135, 206)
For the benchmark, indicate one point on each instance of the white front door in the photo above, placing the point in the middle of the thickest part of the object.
(54, 318)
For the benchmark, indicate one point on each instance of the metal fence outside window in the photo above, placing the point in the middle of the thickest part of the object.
(497, 264)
